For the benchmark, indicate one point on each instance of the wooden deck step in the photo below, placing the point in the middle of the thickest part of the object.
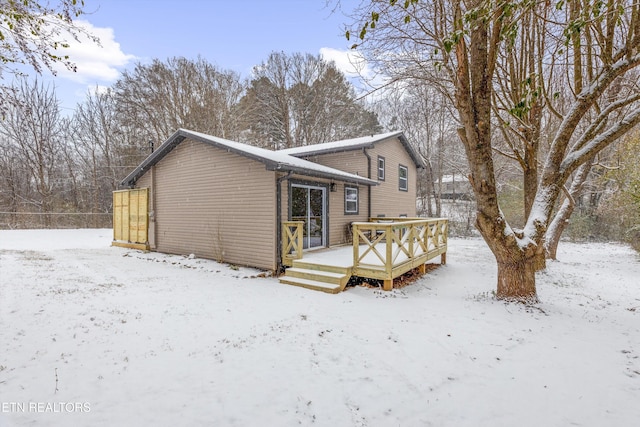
(301, 263)
(318, 277)
(315, 285)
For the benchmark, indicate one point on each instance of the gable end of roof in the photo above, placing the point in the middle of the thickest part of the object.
(272, 160)
(355, 144)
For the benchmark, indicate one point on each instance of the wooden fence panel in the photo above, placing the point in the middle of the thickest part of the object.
(131, 218)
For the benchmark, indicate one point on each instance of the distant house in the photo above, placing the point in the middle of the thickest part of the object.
(228, 201)
(456, 187)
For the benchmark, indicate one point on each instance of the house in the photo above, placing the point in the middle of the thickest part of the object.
(228, 201)
(455, 186)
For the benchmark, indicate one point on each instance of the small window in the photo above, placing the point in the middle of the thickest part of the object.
(380, 168)
(403, 178)
(351, 200)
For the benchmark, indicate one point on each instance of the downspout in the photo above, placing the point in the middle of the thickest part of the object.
(153, 209)
(280, 266)
(153, 202)
(364, 151)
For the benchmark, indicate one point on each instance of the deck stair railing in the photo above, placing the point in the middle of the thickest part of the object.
(292, 241)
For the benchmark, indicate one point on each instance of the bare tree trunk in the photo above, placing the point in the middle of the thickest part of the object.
(532, 120)
(516, 279)
(515, 261)
(561, 219)
(430, 190)
(531, 161)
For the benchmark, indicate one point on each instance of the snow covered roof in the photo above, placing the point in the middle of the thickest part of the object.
(273, 160)
(354, 144)
(454, 178)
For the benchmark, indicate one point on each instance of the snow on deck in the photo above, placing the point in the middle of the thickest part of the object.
(342, 256)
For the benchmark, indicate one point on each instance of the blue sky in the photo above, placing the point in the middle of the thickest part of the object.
(233, 34)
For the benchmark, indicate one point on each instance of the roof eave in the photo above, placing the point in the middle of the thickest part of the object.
(417, 159)
(319, 174)
(334, 150)
(182, 134)
(172, 142)
(152, 159)
(267, 162)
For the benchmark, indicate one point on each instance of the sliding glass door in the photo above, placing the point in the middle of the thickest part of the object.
(308, 205)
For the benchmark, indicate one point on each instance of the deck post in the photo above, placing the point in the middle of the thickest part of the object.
(388, 261)
(422, 268)
(387, 284)
(443, 258)
(355, 240)
(411, 237)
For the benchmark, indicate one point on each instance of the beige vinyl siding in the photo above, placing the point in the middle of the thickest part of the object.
(386, 198)
(216, 205)
(353, 162)
(339, 222)
(144, 181)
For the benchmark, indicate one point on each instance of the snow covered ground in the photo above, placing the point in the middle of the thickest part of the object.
(92, 335)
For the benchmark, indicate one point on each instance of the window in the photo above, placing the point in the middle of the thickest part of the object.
(351, 200)
(403, 178)
(380, 168)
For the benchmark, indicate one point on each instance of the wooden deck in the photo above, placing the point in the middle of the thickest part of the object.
(382, 249)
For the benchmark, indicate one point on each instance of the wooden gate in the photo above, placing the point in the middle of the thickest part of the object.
(131, 218)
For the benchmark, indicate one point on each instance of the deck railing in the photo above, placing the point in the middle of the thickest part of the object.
(291, 241)
(386, 248)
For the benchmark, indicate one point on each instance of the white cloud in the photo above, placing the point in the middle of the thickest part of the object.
(90, 89)
(95, 63)
(351, 63)
(355, 67)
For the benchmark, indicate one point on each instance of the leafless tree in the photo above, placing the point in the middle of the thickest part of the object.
(100, 150)
(35, 33)
(301, 99)
(422, 113)
(465, 42)
(155, 100)
(32, 130)
(13, 183)
(621, 203)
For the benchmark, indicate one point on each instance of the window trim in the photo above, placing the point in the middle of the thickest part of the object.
(381, 177)
(401, 179)
(346, 202)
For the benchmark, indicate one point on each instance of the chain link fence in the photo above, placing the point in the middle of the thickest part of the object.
(33, 220)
